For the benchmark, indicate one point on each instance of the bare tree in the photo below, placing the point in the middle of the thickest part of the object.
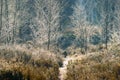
(79, 19)
(8, 31)
(48, 18)
(115, 37)
(83, 29)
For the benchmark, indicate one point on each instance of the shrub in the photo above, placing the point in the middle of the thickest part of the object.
(98, 66)
(21, 65)
(11, 75)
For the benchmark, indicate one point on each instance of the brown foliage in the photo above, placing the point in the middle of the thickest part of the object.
(99, 66)
(20, 65)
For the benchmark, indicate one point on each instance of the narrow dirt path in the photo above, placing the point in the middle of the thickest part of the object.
(63, 72)
(63, 69)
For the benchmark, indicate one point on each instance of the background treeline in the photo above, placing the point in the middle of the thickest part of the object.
(60, 24)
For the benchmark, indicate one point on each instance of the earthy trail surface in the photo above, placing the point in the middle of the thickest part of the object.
(63, 69)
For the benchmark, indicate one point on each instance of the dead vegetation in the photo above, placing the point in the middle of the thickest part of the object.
(103, 65)
(32, 64)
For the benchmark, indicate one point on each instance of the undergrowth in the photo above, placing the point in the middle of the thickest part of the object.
(21, 65)
(104, 65)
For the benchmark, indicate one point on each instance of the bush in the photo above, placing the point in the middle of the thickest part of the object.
(18, 56)
(11, 75)
(98, 66)
(21, 65)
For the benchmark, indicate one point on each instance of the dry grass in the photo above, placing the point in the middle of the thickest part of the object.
(104, 65)
(28, 64)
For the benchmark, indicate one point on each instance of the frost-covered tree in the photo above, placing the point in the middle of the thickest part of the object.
(48, 17)
(115, 36)
(82, 27)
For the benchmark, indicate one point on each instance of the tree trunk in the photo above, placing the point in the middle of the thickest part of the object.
(49, 32)
(1, 17)
(49, 28)
(106, 36)
(106, 24)
(14, 25)
(7, 21)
